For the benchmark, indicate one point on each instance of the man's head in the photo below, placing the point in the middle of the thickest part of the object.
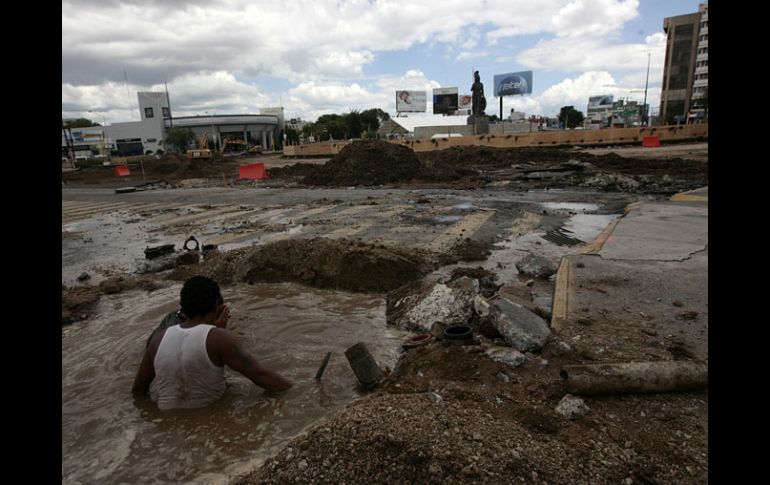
(200, 296)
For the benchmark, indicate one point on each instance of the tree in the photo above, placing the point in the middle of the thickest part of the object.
(292, 135)
(570, 117)
(179, 138)
(80, 123)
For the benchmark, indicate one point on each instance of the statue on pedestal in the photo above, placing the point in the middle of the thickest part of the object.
(479, 101)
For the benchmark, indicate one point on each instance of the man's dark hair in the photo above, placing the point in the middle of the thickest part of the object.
(199, 296)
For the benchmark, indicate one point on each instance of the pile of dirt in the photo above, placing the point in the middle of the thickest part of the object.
(294, 170)
(338, 264)
(453, 415)
(367, 162)
(79, 301)
(171, 167)
(467, 250)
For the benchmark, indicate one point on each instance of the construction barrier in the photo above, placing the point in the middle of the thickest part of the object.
(651, 141)
(610, 136)
(254, 171)
(122, 171)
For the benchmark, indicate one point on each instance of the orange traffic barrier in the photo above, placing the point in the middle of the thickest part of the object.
(122, 171)
(651, 141)
(252, 171)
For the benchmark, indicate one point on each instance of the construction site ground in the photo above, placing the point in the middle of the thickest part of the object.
(442, 414)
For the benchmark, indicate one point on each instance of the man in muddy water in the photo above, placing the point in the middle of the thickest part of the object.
(183, 365)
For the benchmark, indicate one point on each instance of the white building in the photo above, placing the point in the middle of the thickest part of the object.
(147, 135)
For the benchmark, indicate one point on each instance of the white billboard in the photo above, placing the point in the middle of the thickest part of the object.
(411, 101)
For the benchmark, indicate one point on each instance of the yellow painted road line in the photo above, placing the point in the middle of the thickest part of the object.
(462, 229)
(232, 236)
(526, 222)
(93, 207)
(689, 198)
(349, 231)
(172, 220)
(356, 229)
(596, 245)
(561, 294)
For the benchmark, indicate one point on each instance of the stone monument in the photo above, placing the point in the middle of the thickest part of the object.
(478, 119)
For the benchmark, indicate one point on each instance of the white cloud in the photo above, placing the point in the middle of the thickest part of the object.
(586, 54)
(209, 51)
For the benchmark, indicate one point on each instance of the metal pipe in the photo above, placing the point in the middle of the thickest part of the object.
(363, 364)
(635, 377)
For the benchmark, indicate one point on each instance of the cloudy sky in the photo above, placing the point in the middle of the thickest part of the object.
(316, 57)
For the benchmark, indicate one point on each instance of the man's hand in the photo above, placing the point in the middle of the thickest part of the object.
(223, 315)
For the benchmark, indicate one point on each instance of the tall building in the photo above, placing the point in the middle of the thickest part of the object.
(685, 73)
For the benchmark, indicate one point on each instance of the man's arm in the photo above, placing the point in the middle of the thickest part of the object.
(146, 372)
(228, 348)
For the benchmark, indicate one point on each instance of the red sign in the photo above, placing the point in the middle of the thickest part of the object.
(122, 171)
(254, 171)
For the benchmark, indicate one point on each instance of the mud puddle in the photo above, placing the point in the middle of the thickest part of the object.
(107, 438)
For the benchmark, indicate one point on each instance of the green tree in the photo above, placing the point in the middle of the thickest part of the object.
(79, 123)
(353, 125)
(292, 135)
(179, 138)
(570, 117)
(372, 119)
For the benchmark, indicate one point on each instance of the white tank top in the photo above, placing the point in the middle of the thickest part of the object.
(185, 377)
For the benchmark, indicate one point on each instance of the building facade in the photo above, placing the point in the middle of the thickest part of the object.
(685, 72)
(148, 135)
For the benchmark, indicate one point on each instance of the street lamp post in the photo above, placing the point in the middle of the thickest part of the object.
(644, 106)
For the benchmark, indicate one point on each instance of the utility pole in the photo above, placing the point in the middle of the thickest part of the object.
(644, 106)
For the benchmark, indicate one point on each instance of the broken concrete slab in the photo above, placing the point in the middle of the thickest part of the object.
(521, 329)
(537, 266)
(505, 355)
(572, 406)
(612, 181)
(449, 304)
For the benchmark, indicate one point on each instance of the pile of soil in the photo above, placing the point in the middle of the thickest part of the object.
(338, 264)
(467, 250)
(376, 162)
(171, 167)
(294, 170)
(367, 162)
(452, 415)
(77, 302)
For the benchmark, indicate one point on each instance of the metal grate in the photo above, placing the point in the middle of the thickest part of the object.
(561, 238)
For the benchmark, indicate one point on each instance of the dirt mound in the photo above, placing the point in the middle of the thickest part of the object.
(295, 170)
(467, 250)
(367, 162)
(452, 415)
(488, 157)
(217, 265)
(78, 301)
(338, 264)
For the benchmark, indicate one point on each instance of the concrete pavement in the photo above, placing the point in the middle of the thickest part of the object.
(640, 291)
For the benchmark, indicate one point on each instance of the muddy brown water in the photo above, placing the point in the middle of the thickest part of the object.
(107, 437)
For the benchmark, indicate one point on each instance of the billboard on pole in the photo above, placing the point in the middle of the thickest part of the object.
(513, 83)
(600, 102)
(444, 100)
(411, 101)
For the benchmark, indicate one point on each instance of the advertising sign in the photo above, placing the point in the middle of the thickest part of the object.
(444, 100)
(600, 102)
(464, 103)
(513, 83)
(411, 101)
